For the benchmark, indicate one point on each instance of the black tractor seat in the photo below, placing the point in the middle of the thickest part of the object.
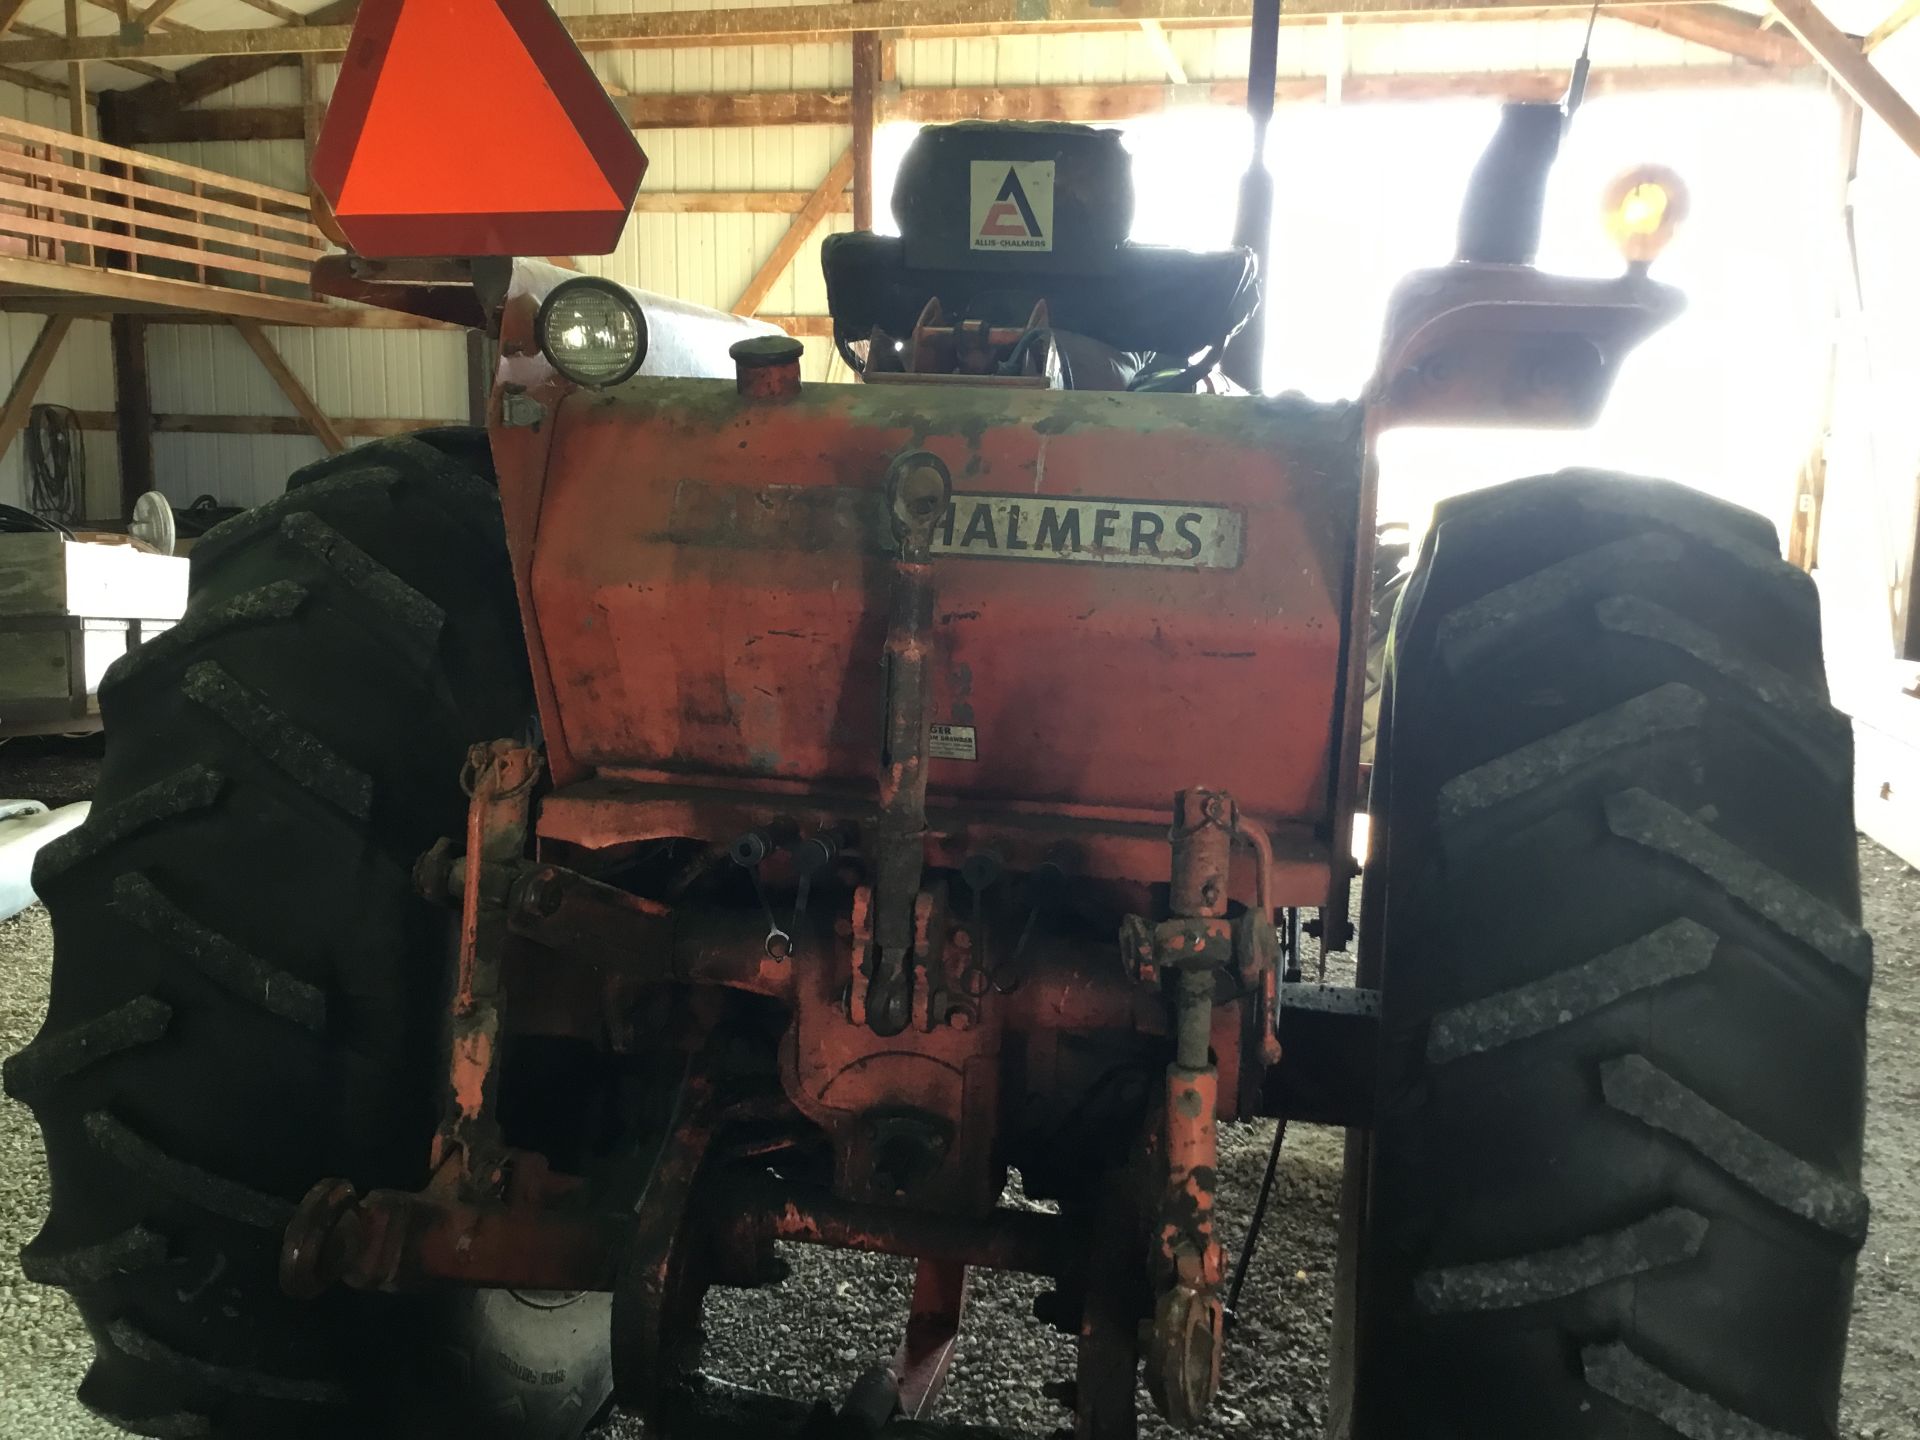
(996, 217)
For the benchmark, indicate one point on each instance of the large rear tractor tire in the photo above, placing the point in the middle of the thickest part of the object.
(247, 997)
(1613, 1188)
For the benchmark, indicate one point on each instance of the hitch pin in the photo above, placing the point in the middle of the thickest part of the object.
(748, 851)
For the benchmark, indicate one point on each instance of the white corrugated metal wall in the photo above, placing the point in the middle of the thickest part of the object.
(707, 258)
(82, 373)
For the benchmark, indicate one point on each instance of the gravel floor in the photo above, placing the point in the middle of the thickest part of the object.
(814, 1334)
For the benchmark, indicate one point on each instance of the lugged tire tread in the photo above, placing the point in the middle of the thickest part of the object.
(133, 1249)
(235, 534)
(134, 1152)
(1635, 1086)
(166, 1425)
(1668, 1238)
(307, 760)
(194, 788)
(1645, 819)
(267, 604)
(371, 611)
(419, 618)
(56, 1056)
(1612, 809)
(1676, 951)
(1799, 713)
(130, 1339)
(1474, 630)
(236, 970)
(1662, 711)
(1616, 1372)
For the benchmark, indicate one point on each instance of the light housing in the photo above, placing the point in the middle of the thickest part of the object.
(592, 331)
(1643, 208)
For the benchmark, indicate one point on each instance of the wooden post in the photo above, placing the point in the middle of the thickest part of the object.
(133, 408)
(77, 122)
(479, 376)
(26, 385)
(1810, 487)
(313, 108)
(866, 81)
(290, 385)
(199, 241)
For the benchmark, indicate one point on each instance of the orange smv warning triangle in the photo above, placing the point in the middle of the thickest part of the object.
(473, 127)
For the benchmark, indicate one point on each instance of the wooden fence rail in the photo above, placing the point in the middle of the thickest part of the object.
(102, 207)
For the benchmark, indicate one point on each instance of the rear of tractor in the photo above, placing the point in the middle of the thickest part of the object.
(547, 871)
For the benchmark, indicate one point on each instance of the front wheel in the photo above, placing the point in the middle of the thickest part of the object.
(1612, 1190)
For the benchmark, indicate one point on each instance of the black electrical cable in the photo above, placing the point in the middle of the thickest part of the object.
(15, 521)
(56, 464)
(1245, 1263)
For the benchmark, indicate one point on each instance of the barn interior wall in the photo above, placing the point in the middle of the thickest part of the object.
(704, 258)
(1868, 521)
(82, 374)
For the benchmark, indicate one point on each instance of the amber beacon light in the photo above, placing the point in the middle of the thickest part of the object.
(1643, 207)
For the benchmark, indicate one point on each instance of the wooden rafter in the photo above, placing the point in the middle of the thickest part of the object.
(26, 385)
(132, 67)
(1903, 15)
(27, 80)
(122, 10)
(930, 104)
(756, 25)
(1736, 32)
(10, 13)
(290, 385)
(804, 224)
(733, 202)
(1855, 74)
(183, 87)
(155, 12)
(279, 12)
(1163, 50)
(357, 428)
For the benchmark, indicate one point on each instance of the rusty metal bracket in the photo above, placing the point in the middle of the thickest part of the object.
(919, 490)
(578, 918)
(1189, 1320)
(528, 1237)
(499, 777)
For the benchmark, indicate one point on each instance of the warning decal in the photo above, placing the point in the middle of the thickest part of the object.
(952, 742)
(1012, 205)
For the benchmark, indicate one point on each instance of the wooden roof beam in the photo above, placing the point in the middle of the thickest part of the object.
(132, 67)
(123, 111)
(155, 12)
(1735, 32)
(1847, 63)
(750, 25)
(1028, 102)
(1902, 15)
(9, 13)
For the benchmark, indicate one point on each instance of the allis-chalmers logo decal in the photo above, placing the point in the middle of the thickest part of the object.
(1113, 532)
(1012, 205)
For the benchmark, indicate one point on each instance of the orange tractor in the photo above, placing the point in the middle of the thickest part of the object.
(550, 868)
